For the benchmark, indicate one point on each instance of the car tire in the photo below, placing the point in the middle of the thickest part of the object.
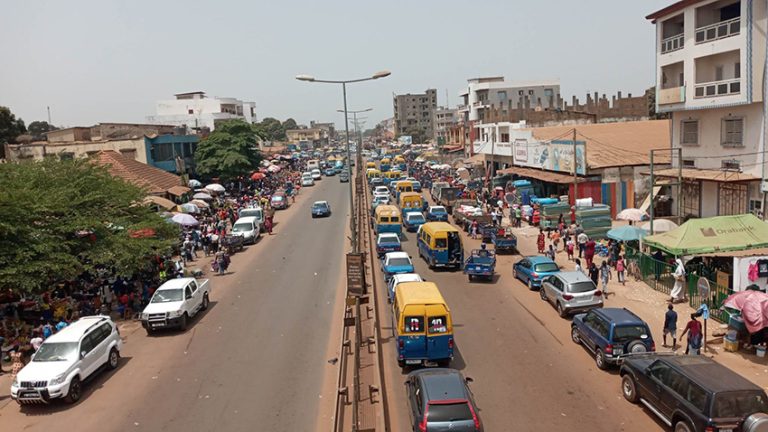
(636, 347)
(114, 359)
(514, 272)
(150, 331)
(75, 391)
(561, 311)
(683, 426)
(543, 294)
(629, 388)
(470, 278)
(206, 302)
(184, 323)
(530, 284)
(575, 336)
(600, 361)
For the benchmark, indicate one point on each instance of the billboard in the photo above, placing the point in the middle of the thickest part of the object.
(551, 155)
(405, 140)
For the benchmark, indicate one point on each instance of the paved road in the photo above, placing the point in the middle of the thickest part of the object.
(255, 361)
(527, 373)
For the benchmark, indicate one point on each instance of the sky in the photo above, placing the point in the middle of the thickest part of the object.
(109, 61)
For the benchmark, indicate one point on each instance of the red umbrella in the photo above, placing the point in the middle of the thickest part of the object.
(753, 306)
(257, 176)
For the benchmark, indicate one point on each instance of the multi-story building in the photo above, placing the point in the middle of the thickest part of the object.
(196, 111)
(329, 127)
(445, 119)
(313, 137)
(482, 93)
(710, 61)
(415, 115)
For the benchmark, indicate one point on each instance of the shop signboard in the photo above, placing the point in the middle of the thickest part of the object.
(405, 140)
(551, 155)
(611, 175)
(356, 274)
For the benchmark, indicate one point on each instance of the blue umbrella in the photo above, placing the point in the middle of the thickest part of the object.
(626, 233)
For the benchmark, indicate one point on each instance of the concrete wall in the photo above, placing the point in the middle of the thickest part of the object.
(709, 204)
(37, 151)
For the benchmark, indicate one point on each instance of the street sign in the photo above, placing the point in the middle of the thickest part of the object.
(356, 274)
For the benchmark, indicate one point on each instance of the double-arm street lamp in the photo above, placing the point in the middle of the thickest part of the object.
(354, 120)
(344, 83)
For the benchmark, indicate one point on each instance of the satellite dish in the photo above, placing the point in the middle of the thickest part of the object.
(703, 286)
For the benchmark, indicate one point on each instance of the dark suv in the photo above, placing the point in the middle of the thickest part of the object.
(694, 393)
(611, 334)
(440, 400)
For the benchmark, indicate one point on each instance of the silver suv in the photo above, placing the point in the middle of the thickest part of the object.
(571, 292)
(66, 359)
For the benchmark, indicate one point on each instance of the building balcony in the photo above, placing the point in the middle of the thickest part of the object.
(718, 30)
(673, 43)
(672, 95)
(718, 88)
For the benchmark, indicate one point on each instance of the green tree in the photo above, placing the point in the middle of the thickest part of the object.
(59, 218)
(10, 126)
(38, 129)
(289, 124)
(271, 129)
(229, 151)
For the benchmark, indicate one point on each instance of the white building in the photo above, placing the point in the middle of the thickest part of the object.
(710, 59)
(195, 110)
(482, 93)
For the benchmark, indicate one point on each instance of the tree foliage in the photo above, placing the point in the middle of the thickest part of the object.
(271, 129)
(10, 126)
(61, 218)
(38, 129)
(229, 151)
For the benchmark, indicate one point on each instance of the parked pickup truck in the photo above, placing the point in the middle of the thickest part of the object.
(480, 264)
(504, 240)
(175, 303)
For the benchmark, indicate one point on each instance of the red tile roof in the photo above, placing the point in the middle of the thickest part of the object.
(154, 180)
(669, 10)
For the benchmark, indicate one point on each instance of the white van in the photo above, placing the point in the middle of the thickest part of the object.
(256, 212)
(313, 164)
(247, 227)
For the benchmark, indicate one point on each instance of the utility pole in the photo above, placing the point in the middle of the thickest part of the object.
(575, 171)
(49, 115)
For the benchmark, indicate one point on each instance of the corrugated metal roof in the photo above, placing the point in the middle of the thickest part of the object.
(705, 174)
(615, 144)
(548, 176)
(154, 180)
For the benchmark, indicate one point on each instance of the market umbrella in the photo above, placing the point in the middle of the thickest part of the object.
(257, 176)
(753, 306)
(194, 184)
(189, 208)
(202, 196)
(185, 219)
(215, 187)
(632, 214)
(659, 226)
(199, 203)
(626, 233)
(273, 168)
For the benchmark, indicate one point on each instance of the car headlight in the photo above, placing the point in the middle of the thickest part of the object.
(58, 379)
(144, 316)
(15, 382)
(175, 314)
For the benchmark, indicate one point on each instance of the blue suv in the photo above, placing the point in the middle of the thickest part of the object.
(612, 334)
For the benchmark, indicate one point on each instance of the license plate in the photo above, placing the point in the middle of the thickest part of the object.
(413, 362)
(157, 325)
(30, 394)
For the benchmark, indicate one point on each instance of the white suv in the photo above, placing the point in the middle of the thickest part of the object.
(66, 359)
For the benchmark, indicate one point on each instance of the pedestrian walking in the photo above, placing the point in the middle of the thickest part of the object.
(620, 270)
(594, 273)
(605, 276)
(670, 326)
(473, 230)
(677, 293)
(693, 328)
(540, 241)
(569, 247)
(554, 235)
(589, 251)
(551, 252)
(577, 266)
(582, 239)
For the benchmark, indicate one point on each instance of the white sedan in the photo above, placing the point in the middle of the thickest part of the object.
(307, 181)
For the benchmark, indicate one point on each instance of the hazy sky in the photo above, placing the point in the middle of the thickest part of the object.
(108, 60)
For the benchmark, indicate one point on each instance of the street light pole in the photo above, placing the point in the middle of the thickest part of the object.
(352, 226)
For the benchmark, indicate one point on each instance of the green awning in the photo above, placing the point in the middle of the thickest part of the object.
(714, 234)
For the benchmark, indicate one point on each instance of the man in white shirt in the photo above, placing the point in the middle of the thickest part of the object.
(36, 341)
(582, 240)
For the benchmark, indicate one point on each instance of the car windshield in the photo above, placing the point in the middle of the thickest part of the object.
(399, 262)
(167, 295)
(546, 267)
(416, 218)
(626, 333)
(389, 239)
(241, 227)
(56, 351)
(438, 210)
(439, 413)
(246, 213)
(277, 198)
(319, 206)
(582, 287)
(739, 404)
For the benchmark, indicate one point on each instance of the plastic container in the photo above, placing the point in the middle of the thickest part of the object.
(733, 346)
(761, 352)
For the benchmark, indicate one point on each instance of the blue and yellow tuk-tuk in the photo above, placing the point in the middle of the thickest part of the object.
(440, 245)
(390, 176)
(385, 165)
(422, 325)
(387, 219)
(370, 165)
(372, 173)
(410, 202)
(402, 186)
(399, 162)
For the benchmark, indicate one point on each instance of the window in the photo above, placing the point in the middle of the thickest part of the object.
(601, 327)
(719, 73)
(441, 243)
(696, 396)
(502, 95)
(414, 324)
(732, 132)
(190, 111)
(88, 343)
(660, 371)
(520, 92)
(737, 70)
(689, 163)
(730, 165)
(690, 196)
(188, 292)
(678, 383)
(438, 324)
(733, 198)
(530, 92)
(129, 153)
(689, 132)
(504, 137)
(162, 152)
(549, 93)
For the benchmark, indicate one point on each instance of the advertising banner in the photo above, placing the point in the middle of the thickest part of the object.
(551, 155)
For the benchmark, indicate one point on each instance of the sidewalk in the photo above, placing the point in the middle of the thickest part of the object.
(651, 305)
